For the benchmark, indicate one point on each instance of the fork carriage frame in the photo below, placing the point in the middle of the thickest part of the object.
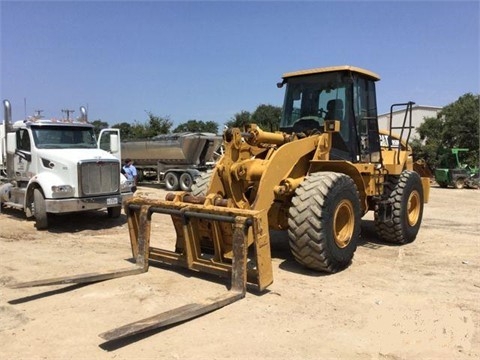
(247, 229)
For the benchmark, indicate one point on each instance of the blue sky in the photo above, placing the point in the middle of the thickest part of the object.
(208, 60)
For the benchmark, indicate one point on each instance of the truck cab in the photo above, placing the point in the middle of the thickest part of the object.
(58, 166)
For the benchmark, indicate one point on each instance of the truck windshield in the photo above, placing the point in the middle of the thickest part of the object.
(63, 137)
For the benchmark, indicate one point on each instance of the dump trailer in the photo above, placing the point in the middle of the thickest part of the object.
(315, 178)
(174, 159)
(56, 166)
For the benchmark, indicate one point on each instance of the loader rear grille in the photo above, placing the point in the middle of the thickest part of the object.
(98, 177)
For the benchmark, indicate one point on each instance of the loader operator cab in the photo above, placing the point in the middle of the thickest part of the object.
(342, 93)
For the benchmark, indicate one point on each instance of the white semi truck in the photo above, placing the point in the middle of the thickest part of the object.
(58, 166)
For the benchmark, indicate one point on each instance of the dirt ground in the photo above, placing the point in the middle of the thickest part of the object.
(418, 301)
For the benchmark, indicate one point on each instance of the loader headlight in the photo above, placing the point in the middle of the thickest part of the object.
(62, 189)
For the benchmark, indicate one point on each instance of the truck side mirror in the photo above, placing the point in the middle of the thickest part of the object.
(11, 142)
(114, 143)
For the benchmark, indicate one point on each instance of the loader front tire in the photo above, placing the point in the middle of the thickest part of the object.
(324, 221)
(40, 210)
(406, 198)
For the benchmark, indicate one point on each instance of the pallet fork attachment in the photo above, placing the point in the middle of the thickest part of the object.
(232, 231)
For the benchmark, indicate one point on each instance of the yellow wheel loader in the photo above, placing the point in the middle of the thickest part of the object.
(327, 167)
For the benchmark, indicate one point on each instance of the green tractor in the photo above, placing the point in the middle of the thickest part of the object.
(453, 172)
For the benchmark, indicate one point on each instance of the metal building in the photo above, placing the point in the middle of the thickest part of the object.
(419, 113)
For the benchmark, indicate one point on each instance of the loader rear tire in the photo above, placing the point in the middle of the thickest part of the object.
(171, 181)
(40, 210)
(406, 198)
(201, 183)
(324, 221)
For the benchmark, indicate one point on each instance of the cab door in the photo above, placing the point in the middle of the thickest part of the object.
(22, 157)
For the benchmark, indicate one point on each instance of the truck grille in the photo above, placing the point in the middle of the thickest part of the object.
(98, 177)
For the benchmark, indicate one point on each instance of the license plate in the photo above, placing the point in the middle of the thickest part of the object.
(112, 201)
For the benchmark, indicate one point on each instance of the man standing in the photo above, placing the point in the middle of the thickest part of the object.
(131, 173)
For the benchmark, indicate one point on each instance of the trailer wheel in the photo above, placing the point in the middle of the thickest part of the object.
(406, 198)
(114, 212)
(40, 210)
(201, 183)
(171, 181)
(324, 221)
(186, 182)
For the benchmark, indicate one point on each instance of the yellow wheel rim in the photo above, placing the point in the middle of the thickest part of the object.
(343, 223)
(413, 208)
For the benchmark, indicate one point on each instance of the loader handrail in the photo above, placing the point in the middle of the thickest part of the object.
(402, 127)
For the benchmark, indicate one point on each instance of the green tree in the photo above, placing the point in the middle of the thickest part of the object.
(98, 126)
(157, 125)
(430, 141)
(197, 126)
(457, 125)
(461, 125)
(267, 117)
(125, 130)
(240, 119)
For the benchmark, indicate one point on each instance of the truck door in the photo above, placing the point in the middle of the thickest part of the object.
(109, 140)
(22, 159)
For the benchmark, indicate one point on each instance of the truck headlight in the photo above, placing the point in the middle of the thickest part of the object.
(126, 185)
(62, 189)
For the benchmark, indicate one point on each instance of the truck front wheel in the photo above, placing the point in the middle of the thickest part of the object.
(114, 212)
(40, 210)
